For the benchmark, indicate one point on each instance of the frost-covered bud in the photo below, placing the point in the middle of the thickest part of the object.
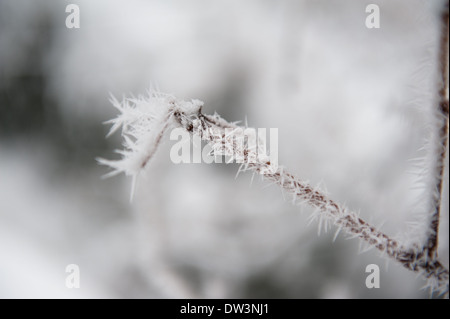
(143, 121)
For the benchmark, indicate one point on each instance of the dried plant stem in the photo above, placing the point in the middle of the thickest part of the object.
(213, 130)
(432, 242)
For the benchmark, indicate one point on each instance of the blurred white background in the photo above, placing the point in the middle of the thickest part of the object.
(354, 107)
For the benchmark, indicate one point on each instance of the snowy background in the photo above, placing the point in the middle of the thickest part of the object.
(353, 106)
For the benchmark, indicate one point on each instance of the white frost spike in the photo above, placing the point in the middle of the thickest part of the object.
(144, 121)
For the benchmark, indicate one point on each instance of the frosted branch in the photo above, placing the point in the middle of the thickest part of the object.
(145, 120)
(442, 140)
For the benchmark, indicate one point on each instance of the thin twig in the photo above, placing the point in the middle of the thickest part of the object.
(432, 242)
(213, 130)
